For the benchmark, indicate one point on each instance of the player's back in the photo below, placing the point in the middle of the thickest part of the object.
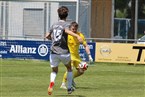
(59, 37)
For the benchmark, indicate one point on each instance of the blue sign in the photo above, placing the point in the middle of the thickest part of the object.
(25, 49)
(83, 53)
(35, 49)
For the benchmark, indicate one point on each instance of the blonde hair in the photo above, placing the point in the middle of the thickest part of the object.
(74, 24)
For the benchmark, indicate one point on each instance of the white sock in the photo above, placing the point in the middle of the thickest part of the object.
(52, 76)
(69, 79)
(63, 84)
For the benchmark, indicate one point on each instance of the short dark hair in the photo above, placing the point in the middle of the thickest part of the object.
(74, 24)
(63, 12)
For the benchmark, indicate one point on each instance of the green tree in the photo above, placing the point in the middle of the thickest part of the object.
(141, 9)
(121, 7)
(126, 9)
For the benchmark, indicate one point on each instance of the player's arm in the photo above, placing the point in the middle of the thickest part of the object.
(87, 49)
(75, 35)
(48, 36)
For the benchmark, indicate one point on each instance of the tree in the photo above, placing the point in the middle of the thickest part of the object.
(121, 6)
(126, 9)
(141, 9)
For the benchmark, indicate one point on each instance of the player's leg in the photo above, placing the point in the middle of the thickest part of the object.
(67, 62)
(64, 80)
(75, 62)
(69, 78)
(63, 85)
(76, 73)
(54, 61)
(78, 70)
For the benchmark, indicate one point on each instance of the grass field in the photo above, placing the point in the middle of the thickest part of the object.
(29, 78)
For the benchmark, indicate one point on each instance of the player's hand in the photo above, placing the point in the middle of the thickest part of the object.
(90, 58)
(47, 36)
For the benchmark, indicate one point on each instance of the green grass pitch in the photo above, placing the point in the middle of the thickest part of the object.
(30, 78)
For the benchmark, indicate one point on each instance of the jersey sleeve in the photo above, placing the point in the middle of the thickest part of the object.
(84, 39)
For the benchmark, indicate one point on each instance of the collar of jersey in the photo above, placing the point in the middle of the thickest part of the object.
(61, 20)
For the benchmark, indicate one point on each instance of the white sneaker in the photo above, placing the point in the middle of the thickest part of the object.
(63, 86)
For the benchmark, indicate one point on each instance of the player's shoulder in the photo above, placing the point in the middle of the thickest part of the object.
(80, 34)
(61, 23)
(68, 23)
(55, 25)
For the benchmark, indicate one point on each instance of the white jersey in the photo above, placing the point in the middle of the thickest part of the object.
(59, 37)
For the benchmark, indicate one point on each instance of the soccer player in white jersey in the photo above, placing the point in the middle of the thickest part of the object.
(59, 49)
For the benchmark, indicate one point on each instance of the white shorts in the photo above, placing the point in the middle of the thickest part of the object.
(55, 59)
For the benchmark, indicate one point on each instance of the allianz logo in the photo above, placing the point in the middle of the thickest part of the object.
(42, 49)
(21, 49)
(3, 43)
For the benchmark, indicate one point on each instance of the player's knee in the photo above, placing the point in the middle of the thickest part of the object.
(81, 71)
(69, 69)
(55, 69)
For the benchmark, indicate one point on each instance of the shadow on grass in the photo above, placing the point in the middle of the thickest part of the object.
(94, 88)
(69, 96)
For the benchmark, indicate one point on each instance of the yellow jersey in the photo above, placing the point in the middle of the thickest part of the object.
(73, 45)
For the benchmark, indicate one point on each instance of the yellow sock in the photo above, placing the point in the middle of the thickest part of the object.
(75, 74)
(64, 77)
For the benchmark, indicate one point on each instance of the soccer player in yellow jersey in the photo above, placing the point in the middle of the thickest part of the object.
(73, 45)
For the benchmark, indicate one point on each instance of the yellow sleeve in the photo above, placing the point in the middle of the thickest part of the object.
(70, 39)
(84, 39)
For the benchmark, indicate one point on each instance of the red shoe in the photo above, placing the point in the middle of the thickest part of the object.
(50, 88)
